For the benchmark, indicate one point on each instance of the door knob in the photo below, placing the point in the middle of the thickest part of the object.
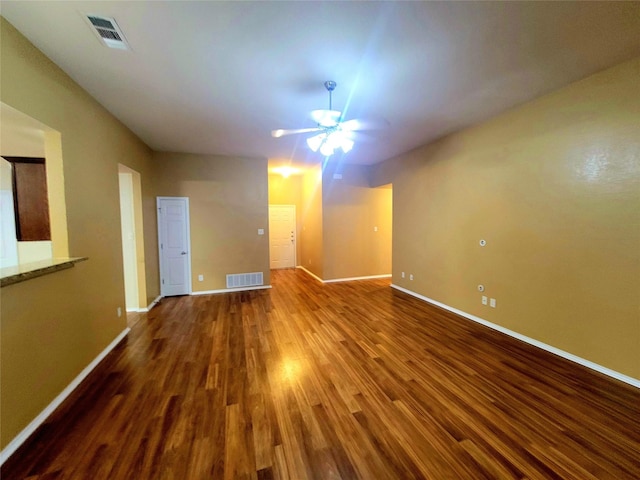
(183, 253)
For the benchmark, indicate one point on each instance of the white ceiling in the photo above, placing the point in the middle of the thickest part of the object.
(216, 77)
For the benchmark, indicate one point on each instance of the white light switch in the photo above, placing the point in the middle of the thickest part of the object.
(484, 299)
(261, 231)
(375, 229)
(200, 278)
(492, 302)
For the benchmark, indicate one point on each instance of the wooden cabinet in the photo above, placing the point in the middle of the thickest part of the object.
(30, 198)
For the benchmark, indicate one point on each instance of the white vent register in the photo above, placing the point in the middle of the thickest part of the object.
(108, 31)
(236, 280)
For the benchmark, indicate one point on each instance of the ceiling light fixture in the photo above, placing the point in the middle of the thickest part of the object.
(333, 137)
(328, 142)
(286, 171)
(334, 132)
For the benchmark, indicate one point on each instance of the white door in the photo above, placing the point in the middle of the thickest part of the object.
(282, 236)
(174, 245)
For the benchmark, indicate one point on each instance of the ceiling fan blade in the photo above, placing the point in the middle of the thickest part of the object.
(359, 124)
(280, 132)
(326, 118)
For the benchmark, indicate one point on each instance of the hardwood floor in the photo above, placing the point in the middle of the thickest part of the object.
(346, 380)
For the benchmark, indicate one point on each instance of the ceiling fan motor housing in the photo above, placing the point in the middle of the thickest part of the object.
(330, 85)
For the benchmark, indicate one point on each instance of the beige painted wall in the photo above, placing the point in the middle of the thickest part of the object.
(554, 188)
(54, 326)
(288, 191)
(352, 211)
(228, 202)
(311, 237)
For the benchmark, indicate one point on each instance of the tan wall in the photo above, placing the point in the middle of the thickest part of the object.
(351, 212)
(311, 237)
(554, 188)
(228, 203)
(288, 191)
(54, 326)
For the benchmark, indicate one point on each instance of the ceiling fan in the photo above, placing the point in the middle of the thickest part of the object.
(334, 131)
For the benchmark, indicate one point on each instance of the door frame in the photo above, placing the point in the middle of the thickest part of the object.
(127, 215)
(188, 227)
(138, 227)
(295, 229)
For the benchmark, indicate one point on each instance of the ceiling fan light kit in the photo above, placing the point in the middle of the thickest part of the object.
(334, 133)
(327, 143)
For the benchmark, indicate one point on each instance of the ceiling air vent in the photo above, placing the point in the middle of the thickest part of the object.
(108, 32)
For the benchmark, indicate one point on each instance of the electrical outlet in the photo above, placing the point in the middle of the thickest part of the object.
(492, 303)
(200, 278)
(484, 299)
(402, 274)
(375, 229)
(411, 276)
(119, 311)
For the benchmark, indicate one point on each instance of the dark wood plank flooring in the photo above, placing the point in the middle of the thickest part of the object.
(350, 380)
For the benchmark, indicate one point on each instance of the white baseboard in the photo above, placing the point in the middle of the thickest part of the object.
(349, 279)
(151, 305)
(229, 290)
(19, 439)
(310, 273)
(531, 341)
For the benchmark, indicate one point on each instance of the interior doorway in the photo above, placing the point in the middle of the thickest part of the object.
(282, 236)
(132, 239)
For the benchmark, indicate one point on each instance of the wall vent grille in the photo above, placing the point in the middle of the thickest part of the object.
(236, 280)
(108, 32)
